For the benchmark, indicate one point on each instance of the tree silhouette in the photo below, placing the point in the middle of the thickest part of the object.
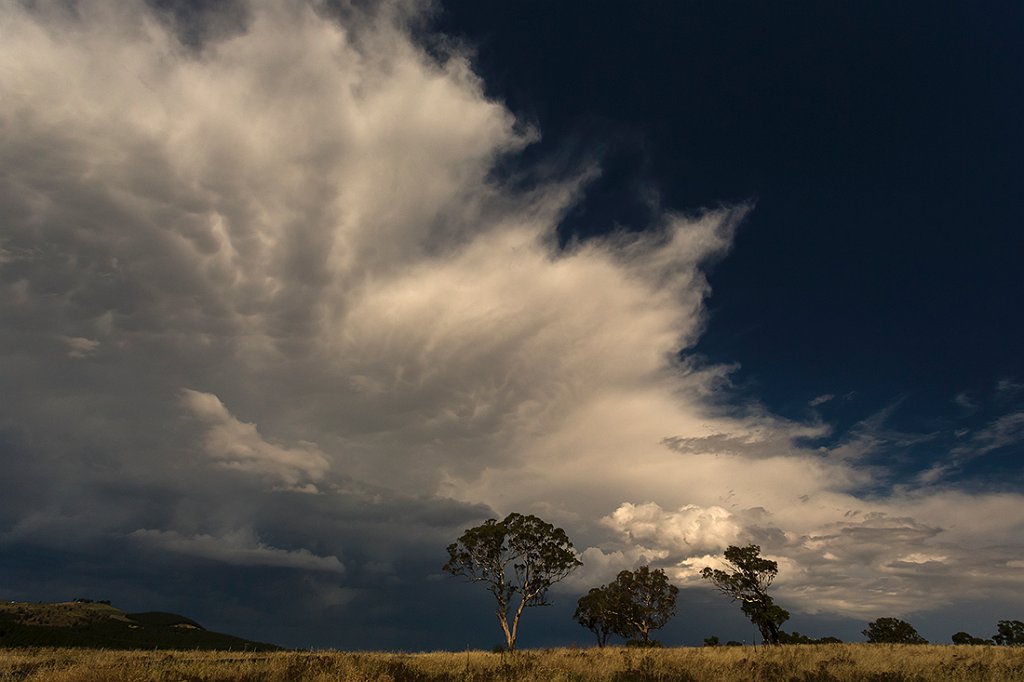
(518, 559)
(1010, 633)
(747, 580)
(796, 638)
(967, 638)
(631, 606)
(643, 600)
(595, 611)
(892, 631)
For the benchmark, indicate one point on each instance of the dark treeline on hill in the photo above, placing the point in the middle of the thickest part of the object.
(98, 625)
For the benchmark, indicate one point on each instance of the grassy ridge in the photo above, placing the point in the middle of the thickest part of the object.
(100, 626)
(162, 618)
(802, 663)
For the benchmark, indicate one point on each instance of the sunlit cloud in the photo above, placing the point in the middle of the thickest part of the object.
(237, 445)
(79, 347)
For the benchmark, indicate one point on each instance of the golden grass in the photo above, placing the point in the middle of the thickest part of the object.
(798, 663)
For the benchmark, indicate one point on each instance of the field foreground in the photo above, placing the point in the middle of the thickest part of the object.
(797, 663)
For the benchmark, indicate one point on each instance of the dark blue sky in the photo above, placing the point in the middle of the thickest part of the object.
(880, 144)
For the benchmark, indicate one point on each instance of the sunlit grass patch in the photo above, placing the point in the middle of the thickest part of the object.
(800, 663)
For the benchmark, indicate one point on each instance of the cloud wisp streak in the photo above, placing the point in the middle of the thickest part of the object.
(294, 225)
(240, 548)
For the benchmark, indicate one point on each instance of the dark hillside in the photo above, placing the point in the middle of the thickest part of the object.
(100, 626)
(164, 619)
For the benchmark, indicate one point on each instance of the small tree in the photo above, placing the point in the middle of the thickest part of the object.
(595, 611)
(518, 559)
(892, 631)
(962, 638)
(747, 580)
(643, 600)
(1011, 633)
(796, 638)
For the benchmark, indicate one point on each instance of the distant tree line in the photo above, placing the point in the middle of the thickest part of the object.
(1008, 633)
(519, 558)
(896, 631)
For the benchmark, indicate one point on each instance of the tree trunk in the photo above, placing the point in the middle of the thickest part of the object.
(510, 635)
(769, 632)
(515, 625)
(774, 630)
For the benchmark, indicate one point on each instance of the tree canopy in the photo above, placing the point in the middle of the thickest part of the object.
(1010, 633)
(645, 601)
(595, 611)
(631, 606)
(892, 631)
(962, 638)
(796, 638)
(518, 559)
(747, 580)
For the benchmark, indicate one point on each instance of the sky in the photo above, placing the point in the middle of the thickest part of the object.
(293, 293)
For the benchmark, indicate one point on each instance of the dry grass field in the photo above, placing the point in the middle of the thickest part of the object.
(803, 663)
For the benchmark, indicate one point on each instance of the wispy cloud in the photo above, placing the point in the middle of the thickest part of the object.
(965, 401)
(237, 445)
(1005, 431)
(1007, 387)
(239, 548)
(79, 347)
